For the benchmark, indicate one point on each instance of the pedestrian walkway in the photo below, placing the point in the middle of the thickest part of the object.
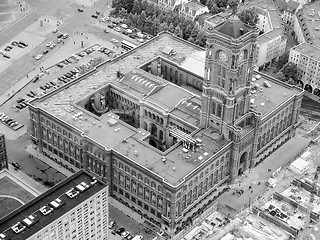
(31, 149)
(249, 181)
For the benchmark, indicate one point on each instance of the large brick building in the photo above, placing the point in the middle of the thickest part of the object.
(169, 122)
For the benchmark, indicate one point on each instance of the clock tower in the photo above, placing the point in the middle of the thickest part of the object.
(228, 70)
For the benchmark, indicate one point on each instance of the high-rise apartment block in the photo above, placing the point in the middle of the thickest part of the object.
(75, 209)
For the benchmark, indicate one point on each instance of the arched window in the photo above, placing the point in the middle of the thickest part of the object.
(133, 173)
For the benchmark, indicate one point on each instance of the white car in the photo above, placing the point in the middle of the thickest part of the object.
(117, 29)
(114, 40)
(52, 45)
(125, 234)
(48, 44)
(125, 26)
(39, 56)
(55, 30)
(102, 20)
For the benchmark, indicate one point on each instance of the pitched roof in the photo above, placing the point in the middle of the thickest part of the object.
(233, 27)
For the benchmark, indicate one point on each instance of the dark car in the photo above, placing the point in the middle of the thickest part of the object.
(45, 51)
(120, 230)
(80, 10)
(60, 65)
(60, 35)
(8, 48)
(30, 95)
(110, 26)
(18, 106)
(23, 43)
(112, 224)
(94, 16)
(20, 100)
(36, 78)
(16, 165)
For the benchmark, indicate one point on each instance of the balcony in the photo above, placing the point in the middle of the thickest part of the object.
(165, 218)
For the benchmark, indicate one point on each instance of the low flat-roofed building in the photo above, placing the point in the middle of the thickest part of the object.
(258, 228)
(76, 208)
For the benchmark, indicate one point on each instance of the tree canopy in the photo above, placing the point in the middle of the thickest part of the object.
(249, 16)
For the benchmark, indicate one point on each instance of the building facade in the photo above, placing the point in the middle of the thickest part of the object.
(192, 9)
(306, 57)
(76, 208)
(3, 153)
(167, 124)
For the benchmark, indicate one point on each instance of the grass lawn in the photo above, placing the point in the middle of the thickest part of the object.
(8, 205)
(9, 187)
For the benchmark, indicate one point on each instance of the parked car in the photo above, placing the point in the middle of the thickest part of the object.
(117, 29)
(55, 30)
(65, 36)
(36, 78)
(94, 16)
(38, 57)
(114, 40)
(60, 65)
(129, 237)
(8, 48)
(6, 55)
(19, 100)
(52, 46)
(112, 224)
(111, 25)
(48, 44)
(21, 46)
(16, 165)
(59, 35)
(45, 51)
(14, 43)
(125, 26)
(80, 10)
(125, 234)
(23, 43)
(120, 230)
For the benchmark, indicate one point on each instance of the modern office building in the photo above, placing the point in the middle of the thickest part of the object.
(167, 123)
(76, 208)
(3, 153)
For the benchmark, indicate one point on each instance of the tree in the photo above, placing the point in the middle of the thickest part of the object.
(290, 70)
(283, 59)
(137, 6)
(210, 3)
(280, 76)
(249, 16)
(171, 28)
(201, 38)
(178, 32)
(187, 32)
(141, 20)
(203, 2)
(222, 3)
(291, 82)
(163, 27)
(233, 4)
(194, 32)
(123, 13)
(215, 9)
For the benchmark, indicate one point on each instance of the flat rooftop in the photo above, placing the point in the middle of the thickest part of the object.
(309, 50)
(308, 18)
(302, 197)
(261, 229)
(286, 213)
(267, 99)
(175, 164)
(49, 206)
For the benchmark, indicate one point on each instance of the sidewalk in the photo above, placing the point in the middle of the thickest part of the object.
(31, 150)
(281, 157)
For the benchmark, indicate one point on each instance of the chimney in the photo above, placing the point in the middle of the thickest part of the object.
(241, 31)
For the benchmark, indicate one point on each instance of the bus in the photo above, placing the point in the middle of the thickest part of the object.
(125, 45)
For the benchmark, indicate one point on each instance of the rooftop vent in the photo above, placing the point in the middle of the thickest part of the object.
(29, 220)
(200, 158)
(18, 227)
(45, 210)
(112, 122)
(56, 203)
(72, 193)
(94, 181)
(136, 153)
(173, 168)
(82, 187)
(164, 159)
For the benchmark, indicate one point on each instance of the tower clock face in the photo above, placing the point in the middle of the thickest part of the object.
(223, 56)
(240, 56)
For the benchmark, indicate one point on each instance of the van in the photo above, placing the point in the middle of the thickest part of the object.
(138, 237)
